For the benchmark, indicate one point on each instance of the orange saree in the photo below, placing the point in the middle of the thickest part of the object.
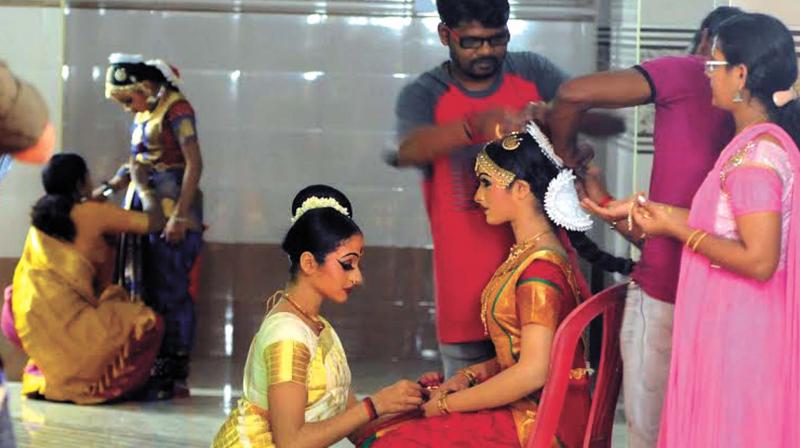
(530, 287)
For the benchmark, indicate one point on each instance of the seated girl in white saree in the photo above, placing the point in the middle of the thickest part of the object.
(297, 387)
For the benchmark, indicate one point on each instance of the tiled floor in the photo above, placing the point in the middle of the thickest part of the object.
(189, 422)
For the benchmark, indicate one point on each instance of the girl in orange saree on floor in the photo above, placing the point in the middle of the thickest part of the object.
(522, 183)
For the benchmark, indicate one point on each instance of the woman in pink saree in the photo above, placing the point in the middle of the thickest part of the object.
(735, 371)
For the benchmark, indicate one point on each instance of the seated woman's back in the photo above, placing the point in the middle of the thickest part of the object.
(94, 223)
(64, 214)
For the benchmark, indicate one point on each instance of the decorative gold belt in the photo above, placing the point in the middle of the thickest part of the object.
(580, 373)
(160, 166)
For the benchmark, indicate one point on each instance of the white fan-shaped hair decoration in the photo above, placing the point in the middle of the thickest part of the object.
(562, 205)
(545, 144)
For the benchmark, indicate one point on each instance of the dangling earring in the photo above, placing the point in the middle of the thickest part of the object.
(738, 98)
(153, 99)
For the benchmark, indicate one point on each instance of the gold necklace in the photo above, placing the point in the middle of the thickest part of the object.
(514, 252)
(519, 248)
(318, 325)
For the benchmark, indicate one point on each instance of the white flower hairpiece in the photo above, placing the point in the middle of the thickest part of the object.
(166, 70)
(315, 202)
(124, 58)
(784, 97)
(561, 202)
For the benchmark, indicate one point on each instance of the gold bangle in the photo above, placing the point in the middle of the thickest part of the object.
(699, 239)
(691, 237)
(442, 405)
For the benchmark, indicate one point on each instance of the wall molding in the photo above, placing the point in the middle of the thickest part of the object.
(552, 10)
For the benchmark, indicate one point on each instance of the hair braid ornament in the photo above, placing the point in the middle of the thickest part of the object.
(784, 97)
(561, 202)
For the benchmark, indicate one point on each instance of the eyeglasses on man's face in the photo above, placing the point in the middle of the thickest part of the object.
(474, 42)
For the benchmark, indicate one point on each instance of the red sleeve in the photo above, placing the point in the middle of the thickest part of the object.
(180, 109)
(540, 293)
(180, 118)
(546, 271)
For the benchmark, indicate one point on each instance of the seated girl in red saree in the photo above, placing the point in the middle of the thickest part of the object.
(494, 403)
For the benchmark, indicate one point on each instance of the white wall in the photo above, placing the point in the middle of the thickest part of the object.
(283, 101)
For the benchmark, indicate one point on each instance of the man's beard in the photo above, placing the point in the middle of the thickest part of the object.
(472, 72)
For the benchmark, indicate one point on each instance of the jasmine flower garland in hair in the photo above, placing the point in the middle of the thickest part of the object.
(315, 202)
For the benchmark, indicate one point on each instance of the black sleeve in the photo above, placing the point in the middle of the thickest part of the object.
(650, 82)
(413, 108)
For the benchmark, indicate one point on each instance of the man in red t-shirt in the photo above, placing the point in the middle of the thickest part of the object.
(688, 136)
(443, 118)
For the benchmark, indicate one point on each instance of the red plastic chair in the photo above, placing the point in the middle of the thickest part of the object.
(610, 304)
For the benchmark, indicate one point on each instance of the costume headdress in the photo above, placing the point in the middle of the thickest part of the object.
(126, 72)
(315, 202)
(561, 201)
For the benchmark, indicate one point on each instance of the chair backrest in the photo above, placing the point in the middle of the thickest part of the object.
(610, 304)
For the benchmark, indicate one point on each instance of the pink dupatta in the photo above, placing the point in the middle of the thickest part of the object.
(791, 342)
(690, 360)
(791, 348)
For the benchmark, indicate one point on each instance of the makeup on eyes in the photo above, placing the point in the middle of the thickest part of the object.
(346, 265)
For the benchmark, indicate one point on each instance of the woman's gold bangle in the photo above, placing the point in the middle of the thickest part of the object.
(691, 237)
(699, 239)
(442, 405)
